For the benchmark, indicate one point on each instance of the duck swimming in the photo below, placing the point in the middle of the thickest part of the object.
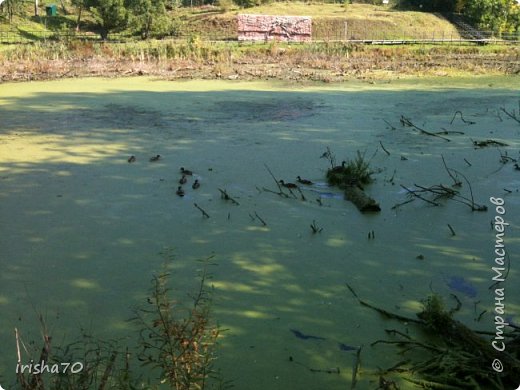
(303, 181)
(180, 191)
(183, 180)
(155, 158)
(287, 185)
(131, 159)
(196, 184)
(186, 171)
(339, 168)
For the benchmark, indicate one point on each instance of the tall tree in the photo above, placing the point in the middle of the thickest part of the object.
(430, 5)
(111, 15)
(12, 7)
(81, 5)
(494, 15)
(149, 17)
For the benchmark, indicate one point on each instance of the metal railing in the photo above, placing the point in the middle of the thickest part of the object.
(336, 35)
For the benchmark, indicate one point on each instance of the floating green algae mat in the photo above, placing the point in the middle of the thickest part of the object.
(82, 229)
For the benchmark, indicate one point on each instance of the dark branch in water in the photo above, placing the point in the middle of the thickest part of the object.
(461, 118)
(384, 149)
(382, 311)
(389, 124)
(511, 114)
(204, 214)
(397, 205)
(274, 192)
(446, 132)
(274, 178)
(301, 194)
(260, 219)
(315, 228)
(452, 231)
(456, 183)
(280, 189)
(473, 205)
(442, 192)
(488, 142)
(355, 368)
(334, 370)
(407, 122)
(329, 156)
(224, 195)
(415, 193)
(504, 158)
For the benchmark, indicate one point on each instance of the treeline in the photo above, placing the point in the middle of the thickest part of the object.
(144, 17)
(147, 18)
(158, 18)
(491, 15)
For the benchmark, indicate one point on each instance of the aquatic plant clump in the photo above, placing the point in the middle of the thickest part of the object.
(351, 172)
(350, 176)
(460, 358)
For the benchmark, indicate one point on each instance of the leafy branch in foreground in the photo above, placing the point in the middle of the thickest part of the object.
(179, 341)
(89, 363)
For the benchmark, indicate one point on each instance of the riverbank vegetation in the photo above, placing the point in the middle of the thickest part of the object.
(194, 58)
(177, 39)
(175, 340)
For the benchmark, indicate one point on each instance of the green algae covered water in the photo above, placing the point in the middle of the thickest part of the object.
(82, 230)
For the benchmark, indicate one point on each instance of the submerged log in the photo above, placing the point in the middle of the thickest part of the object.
(461, 358)
(362, 201)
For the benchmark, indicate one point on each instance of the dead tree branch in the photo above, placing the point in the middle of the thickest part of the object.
(204, 214)
(407, 122)
(461, 118)
(511, 114)
(224, 195)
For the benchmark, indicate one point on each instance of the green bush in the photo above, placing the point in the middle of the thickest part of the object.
(225, 5)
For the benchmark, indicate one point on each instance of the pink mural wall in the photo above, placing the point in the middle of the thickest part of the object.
(273, 27)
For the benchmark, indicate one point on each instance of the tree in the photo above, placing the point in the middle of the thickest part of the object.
(430, 5)
(80, 5)
(12, 7)
(149, 17)
(111, 15)
(495, 15)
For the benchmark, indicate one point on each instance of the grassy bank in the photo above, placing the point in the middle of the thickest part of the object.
(330, 21)
(194, 58)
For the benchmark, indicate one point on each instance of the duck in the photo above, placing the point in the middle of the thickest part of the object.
(155, 158)
(196, 184)
(288, 185)
(180, 191)
(338, 168)
(131, 159)
(303, 181)
(186, 171)
(183, 180)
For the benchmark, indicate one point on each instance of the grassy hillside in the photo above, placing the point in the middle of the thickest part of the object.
(330, 21)
(362, 21)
